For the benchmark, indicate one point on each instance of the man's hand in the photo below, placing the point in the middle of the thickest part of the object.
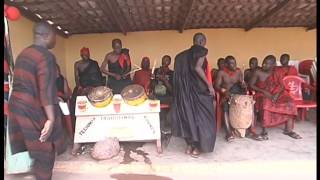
(117, 76)
(46, 131)
(275, 97)
(244, 85)
(268, 95)
(162, 77)
(211, 91)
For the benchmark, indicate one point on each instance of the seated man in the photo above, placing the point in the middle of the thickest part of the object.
(142, 77)
(161, 87)
(253, 65)
(214, 71)
(229, 81)
(274, 104)
(285, 69)
(64, 95)
(87, 76)
(117, 65)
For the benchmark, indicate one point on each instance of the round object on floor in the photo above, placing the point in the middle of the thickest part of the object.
(106, 149)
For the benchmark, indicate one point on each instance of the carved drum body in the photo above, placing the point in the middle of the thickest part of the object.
(241, 112)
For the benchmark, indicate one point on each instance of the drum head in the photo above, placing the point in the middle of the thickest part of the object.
(132, 92)
(99, 94)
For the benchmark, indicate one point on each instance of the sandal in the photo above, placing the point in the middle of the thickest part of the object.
(195, 153)
(292, 134)
(230, 138)
(264, 136)
(255, 136)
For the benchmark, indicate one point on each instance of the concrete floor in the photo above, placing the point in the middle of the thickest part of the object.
(279, 157)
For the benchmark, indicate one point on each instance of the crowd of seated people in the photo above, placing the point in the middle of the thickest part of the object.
(263, 82)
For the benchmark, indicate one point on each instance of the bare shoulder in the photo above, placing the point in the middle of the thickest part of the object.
(257, 72)
(221, 74)
(76, 64)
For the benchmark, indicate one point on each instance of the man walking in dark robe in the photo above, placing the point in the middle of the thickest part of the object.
(35, 124)
(193, 116)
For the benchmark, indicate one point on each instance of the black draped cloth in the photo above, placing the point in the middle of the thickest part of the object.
(91, 75)
(114, 84)
(89, 78)
(192, 110)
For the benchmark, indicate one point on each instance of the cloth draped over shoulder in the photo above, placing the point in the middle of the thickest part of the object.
(91, 75)
(279, 112)
(142, 77)
(120, 67)
(192, 110)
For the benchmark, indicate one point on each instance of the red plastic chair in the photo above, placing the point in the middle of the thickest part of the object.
(293, 84)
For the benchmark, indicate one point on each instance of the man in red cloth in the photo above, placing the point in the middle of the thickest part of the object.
(285, 69)
(143, 76)
(274, 104)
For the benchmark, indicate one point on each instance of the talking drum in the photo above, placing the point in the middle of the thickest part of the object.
(241, 112)
(100, 96)
(134, 95)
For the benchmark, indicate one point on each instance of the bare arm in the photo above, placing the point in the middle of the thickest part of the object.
(76, 74)
(202, 74)
(253, 81)
(104, 67)
(200, 71)
(218, 81)
(66, 90)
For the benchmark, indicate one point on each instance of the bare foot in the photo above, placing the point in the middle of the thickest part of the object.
(189, 149)
(195, 153)
(76, 149)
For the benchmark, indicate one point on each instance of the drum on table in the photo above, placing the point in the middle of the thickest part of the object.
(100, 96)
(241, 112)
(134, 95)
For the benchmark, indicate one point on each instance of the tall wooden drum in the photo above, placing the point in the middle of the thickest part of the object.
(241, 112)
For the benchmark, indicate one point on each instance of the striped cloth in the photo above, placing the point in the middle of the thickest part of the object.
(34, 86)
